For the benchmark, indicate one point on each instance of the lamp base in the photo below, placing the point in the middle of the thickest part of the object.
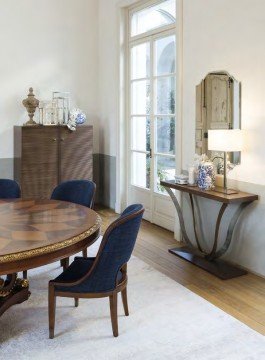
(225, 191)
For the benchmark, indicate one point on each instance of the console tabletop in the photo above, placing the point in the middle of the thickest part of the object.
(211, 194)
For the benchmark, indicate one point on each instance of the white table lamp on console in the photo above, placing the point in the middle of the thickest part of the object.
(226, 141)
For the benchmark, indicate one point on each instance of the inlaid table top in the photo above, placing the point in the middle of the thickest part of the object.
(34, 228)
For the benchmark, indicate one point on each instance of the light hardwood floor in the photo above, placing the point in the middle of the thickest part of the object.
(243, 297)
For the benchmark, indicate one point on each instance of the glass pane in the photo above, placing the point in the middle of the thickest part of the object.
(165, 95)
(141, 170)
(165, 169)
(141, 133)
(165, 135)
(153, 17)
(140, 58)
(141, 97)
(165, 54)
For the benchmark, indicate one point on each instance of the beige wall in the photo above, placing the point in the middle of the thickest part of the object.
(109, 71)
(108, 75)
(74, 45)
(217, 35)
(50, 45)
(227, 35)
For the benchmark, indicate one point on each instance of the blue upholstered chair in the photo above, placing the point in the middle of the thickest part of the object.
(102, 276)
(80, 192)
(9, 189)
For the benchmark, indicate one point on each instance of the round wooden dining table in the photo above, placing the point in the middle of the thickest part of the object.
(34, 233)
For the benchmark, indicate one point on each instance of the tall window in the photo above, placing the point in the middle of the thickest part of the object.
(152, 95)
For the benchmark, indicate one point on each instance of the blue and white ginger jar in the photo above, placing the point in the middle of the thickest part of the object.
(206, 176)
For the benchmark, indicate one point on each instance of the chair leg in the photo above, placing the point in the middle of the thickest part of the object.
(85, 253)
(65, 263)
(25, 274)
(52, 308)
(113, 300)
(125, 301)
(76, 302)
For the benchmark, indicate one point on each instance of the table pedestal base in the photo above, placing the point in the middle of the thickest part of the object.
(219, 268)
(13, 291)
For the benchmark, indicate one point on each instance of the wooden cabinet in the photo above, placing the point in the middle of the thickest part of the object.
(48, 155)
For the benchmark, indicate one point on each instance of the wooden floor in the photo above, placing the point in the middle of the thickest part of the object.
(243, 297)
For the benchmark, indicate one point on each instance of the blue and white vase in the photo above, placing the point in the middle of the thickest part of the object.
(77, 117)
(206, 176)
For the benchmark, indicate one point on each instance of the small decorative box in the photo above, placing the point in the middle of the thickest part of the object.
(181, 179)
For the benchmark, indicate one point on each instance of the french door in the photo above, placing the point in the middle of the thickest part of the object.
(152, 124)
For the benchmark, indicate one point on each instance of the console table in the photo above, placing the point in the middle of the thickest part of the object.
(209, 261)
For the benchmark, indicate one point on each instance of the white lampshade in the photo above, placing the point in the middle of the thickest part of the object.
(225, 140)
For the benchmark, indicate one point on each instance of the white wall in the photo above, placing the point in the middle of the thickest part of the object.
(217, 35)
(50, 45)
(108, 75)
(74, 45)
(227, 35)
(109, 52)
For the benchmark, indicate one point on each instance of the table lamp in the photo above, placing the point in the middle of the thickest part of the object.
(226, 141)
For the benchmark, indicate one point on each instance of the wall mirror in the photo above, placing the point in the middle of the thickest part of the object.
(218, 106)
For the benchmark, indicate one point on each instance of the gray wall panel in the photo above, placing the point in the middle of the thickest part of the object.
(105, 178)
(6, 168)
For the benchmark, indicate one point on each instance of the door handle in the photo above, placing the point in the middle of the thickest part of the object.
(150, 153)
(54, 139)
(62, 139)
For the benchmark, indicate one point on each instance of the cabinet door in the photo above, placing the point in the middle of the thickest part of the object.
(39, 161)
(75, 157)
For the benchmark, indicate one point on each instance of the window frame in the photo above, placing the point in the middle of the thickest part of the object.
(135, 8)
(149, 36)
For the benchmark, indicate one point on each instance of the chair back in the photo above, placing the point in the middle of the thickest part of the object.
(116, 248)
(9, 189)
(81, 192)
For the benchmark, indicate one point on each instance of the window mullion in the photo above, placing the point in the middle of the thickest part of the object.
(152, 118)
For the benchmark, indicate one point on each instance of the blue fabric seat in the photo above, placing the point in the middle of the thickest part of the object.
(106, 274)
(79, 267)
(80, 192)
(9, 189)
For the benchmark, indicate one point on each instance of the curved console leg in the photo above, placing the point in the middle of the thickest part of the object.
(211, 256)
(181, 220)
(195, 224)
(230, 230)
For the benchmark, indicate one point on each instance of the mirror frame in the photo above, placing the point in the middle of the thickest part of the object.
(201, 114)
